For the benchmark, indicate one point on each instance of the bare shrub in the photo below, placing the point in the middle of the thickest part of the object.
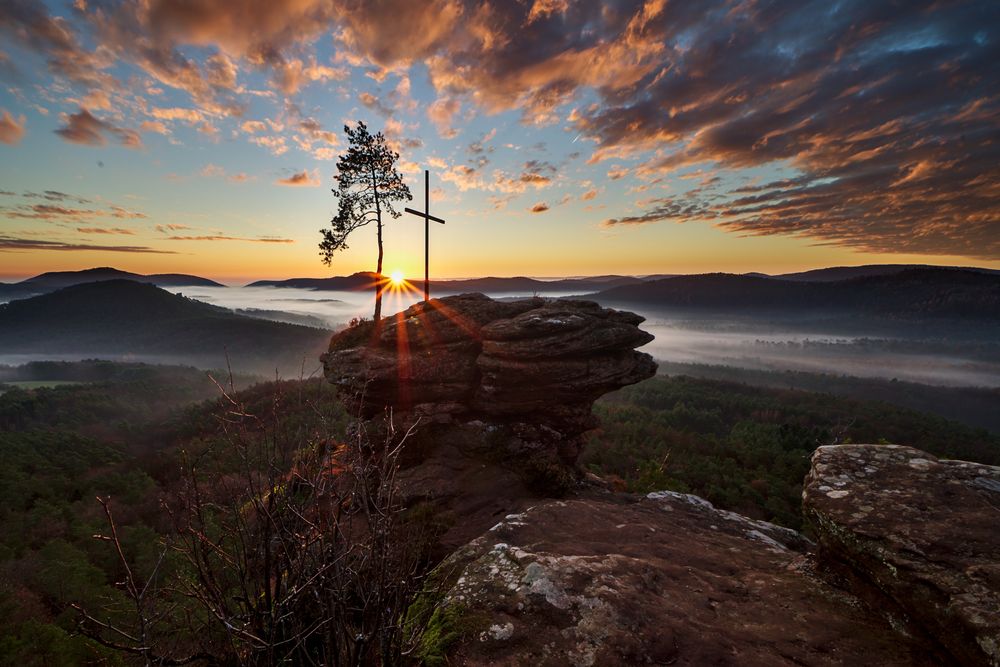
(289, 546)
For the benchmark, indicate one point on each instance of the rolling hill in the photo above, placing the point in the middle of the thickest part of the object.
(835, 273)
(53, 280)
(127, 319)
(364, 280)
(908, 294)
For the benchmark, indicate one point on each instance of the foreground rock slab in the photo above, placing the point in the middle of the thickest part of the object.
(924, 532)
(665, 579)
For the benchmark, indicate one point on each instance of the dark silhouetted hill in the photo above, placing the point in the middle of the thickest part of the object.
(123, 318)
(53, 280)
(365, 280)
(834, 273)
(912, 293)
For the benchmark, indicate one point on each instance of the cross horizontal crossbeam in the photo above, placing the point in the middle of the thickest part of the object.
(423, 215)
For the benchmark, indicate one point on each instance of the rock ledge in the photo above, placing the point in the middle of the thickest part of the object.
(924, 532)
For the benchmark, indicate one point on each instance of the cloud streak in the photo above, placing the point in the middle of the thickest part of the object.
(84, 128)
(221, 237)
(105, 230)
(13, 244)
(61, 213)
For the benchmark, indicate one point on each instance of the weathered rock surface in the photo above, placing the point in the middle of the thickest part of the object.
(537, 361)
(495, 387)
(925, 532)
(665, 579)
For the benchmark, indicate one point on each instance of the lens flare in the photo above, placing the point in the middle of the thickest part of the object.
(396, 278)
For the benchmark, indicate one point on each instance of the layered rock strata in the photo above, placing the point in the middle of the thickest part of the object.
(467, 357)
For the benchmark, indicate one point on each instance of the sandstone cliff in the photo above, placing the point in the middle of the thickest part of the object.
(500, 392)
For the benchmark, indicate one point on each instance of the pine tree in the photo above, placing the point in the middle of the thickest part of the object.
(367, 185)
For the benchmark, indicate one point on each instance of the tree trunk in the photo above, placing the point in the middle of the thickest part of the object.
(379, 283)
(378, 276)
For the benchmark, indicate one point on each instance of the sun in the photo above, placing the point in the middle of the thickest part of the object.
(396, 278)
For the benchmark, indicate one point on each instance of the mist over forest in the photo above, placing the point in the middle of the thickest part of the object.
(942, 352)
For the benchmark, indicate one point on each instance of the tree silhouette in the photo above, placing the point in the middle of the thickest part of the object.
(367, 185)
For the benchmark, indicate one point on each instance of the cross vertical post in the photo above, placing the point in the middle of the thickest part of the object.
(427, 234)
(426, 215)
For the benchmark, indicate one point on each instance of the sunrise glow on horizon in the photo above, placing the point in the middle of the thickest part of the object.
(562, 138)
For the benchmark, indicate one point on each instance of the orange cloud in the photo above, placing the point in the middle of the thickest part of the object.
(11, 129)
(301, 179)
(177, 113)
(154, 126)
(105, 230)
(441, 113)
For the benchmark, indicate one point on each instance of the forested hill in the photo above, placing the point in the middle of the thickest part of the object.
(53, 280)
(126, 318)
(363, 280)
(366, 280)
(913, 293)
(833, 273)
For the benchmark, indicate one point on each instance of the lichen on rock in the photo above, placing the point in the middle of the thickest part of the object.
(613, 579)
(923, 532)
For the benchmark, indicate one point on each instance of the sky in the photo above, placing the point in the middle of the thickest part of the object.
(562, 138)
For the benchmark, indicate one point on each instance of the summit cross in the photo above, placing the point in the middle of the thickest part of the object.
(426, 215)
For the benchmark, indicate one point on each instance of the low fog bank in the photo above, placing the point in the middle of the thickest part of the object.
(295, 306)
(928, 362)
(937, 353)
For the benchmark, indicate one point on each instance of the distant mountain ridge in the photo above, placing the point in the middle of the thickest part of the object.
(124, 318)
(868, 270)
(909, 293)
(53, 280)
(364, 280)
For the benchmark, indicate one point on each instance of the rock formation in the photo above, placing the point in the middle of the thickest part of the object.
(501, 393)
(469, 357)
(923, 532)
(512, 381)
(666, 579)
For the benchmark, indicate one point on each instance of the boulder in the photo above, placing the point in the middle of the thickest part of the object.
(665, 579)
(540, 361)
(923, 532)
(516, 379)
